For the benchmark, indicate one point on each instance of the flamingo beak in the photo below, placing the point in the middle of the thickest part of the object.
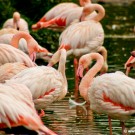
(80, 71)
(33, 56)
(128, 63)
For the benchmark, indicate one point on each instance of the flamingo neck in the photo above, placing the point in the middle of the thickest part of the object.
(60, 56)
(89, 8)
(102, 50)
(88, 78)
(18, 36)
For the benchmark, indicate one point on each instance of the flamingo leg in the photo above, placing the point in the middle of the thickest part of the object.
(76, 94)
(123, 128)
(42, 113)
(110, 125)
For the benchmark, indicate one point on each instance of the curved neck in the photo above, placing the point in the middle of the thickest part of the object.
(60, 56)
(84, 2)
(88, 78)
(89, 8)
(18, 36)
(102, 50)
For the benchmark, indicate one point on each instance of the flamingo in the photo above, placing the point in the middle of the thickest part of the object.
(66, 18)
(110, 93)
(25, 42)
(8, 70)
(10, 54)
(84, 37)
(45, 82)
(17, 23)
(17, 109)
(130, 63)
(8, 30)
(56, 15)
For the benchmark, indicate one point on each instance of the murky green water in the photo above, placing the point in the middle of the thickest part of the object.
(119, 41)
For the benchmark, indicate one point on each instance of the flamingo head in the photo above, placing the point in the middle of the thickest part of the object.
(84, 62)
(130, 63)
(16, 20)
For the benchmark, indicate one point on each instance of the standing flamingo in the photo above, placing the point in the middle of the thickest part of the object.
(25, 42)
(130, 63)
(45, 83)
(55, 15)
(84, 37)
(17, 23)
(17, 109)
(66, 18)
(110, 93)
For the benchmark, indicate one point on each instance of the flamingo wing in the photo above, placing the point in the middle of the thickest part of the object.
(114, 94)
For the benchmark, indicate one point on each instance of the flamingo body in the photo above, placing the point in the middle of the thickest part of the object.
(17, 108)
(66, 18)
(113, 94)
(55, 11)
(17, 23)
(8, 70)
(10, 54)
(73, 37)
(45, 83)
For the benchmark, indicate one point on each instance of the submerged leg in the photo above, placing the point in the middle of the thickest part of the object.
(76, 79)
(124, 132)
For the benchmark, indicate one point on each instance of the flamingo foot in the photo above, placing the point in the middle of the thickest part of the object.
(42, 113)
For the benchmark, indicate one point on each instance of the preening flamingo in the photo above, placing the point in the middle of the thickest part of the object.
(17, 109)
(130, 63)
(57, 11)
(84, 37)
(45, 83)
(17, 23)
(25, 42)
(67, 18)
(110, 93)
(8, 70)
(10, 54)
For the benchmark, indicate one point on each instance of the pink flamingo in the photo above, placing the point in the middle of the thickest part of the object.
(55, 19)
(130, 63)
(45, 83)
(28, 44)
(10, 54)
(66, 18)
(8, 70)
(110, 93)
(17, 23)
(17, 109)
(74, 41)
(8, 31)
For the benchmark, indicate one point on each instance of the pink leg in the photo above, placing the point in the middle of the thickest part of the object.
(110, 125)
(76, 78)
(123, 128)
(42, 113)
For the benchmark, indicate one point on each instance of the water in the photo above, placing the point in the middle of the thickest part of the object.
(119, 41)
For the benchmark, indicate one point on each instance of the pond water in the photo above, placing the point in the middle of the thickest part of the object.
(119, 41)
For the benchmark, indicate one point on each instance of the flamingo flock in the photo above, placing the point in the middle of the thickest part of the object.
(26, 87)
